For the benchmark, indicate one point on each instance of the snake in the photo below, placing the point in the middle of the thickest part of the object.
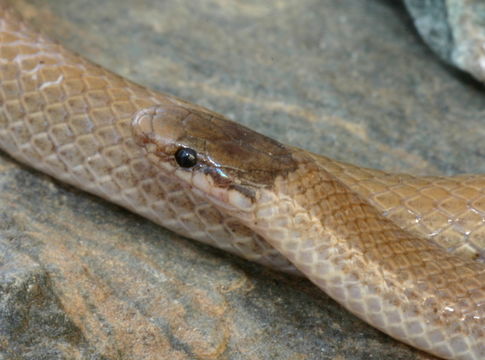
(404, 253)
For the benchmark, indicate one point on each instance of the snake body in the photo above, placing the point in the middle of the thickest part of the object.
(404, 253)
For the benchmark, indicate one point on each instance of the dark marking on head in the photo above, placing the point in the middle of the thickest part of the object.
(232, 154)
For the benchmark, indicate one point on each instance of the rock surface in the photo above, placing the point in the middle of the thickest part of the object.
(83, 279)
(454, 29)
(431, 20)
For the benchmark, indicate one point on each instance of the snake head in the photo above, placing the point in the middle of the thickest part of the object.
(220, 159)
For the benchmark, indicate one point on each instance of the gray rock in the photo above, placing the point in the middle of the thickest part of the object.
(455, 30)
(431, 21)
(33, 323)
(345, 78)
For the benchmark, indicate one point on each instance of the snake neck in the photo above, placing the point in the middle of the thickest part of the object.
(367, 263)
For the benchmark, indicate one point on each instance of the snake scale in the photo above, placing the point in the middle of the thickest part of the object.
(403, 253)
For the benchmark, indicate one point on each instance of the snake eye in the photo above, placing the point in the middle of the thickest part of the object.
(186, 157)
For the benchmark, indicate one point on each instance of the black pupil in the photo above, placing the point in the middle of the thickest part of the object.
(186, 157)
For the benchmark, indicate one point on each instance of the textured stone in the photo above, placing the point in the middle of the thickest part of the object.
(33, 323)
(454, 30)
(346, 79)
(431, 21)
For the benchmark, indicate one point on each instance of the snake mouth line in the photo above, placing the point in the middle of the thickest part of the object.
(228, 198)
(231, 198)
